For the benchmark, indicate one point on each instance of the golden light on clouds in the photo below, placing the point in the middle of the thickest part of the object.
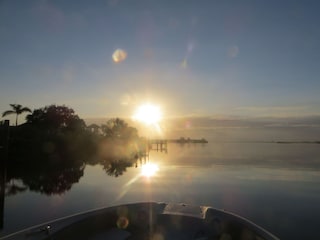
(119, 55)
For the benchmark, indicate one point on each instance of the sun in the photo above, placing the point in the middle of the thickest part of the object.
(148, 113)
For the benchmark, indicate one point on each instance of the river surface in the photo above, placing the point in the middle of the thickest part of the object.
(275, 185)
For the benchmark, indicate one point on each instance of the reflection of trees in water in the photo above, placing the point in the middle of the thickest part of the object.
(44, 179)
(116, 167)
(54, 172)
(56, 178)
(54, 182)
(13, 188)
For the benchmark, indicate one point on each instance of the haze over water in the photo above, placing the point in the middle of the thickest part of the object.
(275, 185)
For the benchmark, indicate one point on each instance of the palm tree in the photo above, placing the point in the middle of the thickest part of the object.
(16, 109)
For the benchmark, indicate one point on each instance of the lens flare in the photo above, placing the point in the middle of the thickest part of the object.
(233, 52)
(184, 64)
(119, 55)
(122, 222)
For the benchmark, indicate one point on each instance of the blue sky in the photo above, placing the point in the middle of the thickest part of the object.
(195, 58)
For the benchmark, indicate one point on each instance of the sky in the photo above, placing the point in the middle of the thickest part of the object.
(190, 57)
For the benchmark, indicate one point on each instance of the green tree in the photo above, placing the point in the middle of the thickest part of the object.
(16, 109)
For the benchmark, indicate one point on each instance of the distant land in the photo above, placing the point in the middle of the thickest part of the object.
(188, 140)
(298, 142)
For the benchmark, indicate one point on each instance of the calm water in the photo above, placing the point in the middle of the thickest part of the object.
(274, 185)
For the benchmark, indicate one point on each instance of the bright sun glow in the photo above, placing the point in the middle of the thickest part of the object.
(148, 114)
(149, 169)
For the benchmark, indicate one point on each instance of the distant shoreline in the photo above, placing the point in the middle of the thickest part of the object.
(299, 142)
(274, 142)
(187, 140)
(178, 140)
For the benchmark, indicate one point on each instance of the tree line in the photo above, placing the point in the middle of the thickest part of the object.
(57, 132)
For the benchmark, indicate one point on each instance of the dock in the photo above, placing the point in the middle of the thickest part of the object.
(188, 140)
(160, 145)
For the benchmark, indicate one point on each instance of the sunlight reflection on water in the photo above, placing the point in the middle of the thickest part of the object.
(149, 169)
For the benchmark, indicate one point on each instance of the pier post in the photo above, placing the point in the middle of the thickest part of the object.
(4, 145)
(3, 156)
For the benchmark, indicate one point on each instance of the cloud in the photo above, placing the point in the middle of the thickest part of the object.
(243, 122)
(275, 111)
